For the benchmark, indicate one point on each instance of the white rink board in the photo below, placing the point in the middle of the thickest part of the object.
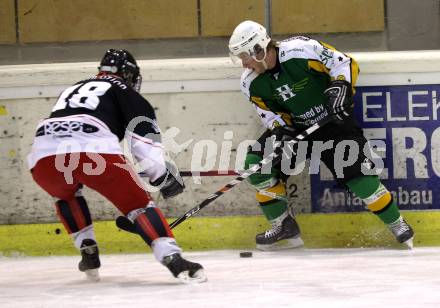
(200, 97)
(330, 278)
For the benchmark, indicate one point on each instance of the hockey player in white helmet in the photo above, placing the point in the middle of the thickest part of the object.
(294, 84)
(249, 42)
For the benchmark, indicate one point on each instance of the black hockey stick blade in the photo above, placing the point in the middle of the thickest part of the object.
(188, 173)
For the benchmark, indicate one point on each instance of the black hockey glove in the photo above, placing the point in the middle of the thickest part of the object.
(283, 134)
(340, 98)
(170, 183)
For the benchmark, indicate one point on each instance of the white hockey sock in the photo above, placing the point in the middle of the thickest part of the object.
(85, 233)
(163, 247)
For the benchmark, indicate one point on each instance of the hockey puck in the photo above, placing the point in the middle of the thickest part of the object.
(246, 254)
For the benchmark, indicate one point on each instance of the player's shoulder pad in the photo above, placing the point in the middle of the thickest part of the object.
(298, 47)
(246, 79)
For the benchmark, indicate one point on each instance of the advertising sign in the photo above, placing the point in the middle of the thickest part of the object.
(402, 122)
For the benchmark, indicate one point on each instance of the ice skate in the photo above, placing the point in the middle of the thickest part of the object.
(403, 232)
(90, 262)
(284, 234)
(184, 270)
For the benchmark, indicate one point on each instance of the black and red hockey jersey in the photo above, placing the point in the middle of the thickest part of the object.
(94, 115)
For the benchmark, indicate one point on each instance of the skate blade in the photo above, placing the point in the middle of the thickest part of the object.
(198, 277)
(409, 243)
(291, 243)
(92, 274)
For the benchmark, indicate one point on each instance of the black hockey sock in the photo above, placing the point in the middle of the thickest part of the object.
(151, 224)
(74, 214)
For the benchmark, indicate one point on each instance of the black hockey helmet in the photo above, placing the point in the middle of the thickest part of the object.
(120, 62)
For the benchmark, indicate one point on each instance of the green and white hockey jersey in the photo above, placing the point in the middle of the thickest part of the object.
(292, 93)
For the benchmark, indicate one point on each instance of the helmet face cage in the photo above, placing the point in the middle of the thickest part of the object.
(249, 40)
(122, 63)
(258, 53)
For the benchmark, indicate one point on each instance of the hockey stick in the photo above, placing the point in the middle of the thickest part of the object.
(202, 173)
(125, 224)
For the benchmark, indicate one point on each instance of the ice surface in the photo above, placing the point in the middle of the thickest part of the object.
(324, 278)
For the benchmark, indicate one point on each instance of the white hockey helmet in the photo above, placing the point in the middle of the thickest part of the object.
(249, 39)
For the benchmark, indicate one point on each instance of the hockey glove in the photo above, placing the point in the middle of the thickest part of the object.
(170, 183)
(283, 134)
(340, 98)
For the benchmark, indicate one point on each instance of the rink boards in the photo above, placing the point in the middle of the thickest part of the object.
(200, 107)
(343, 230)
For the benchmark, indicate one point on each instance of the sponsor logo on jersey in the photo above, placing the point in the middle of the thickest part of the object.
(311, 116)
(65, 128)
(326, 56)
(283, 53)
(286, 92)
(114, 80)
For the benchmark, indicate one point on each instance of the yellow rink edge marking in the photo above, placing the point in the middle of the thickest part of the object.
(229, 232)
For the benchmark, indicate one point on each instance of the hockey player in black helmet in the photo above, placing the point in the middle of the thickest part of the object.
(94, 116)
(120, 62)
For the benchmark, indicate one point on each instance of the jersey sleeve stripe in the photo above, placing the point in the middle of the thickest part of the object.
(145, 140)
(286, 117)
(354, 72)
(259, 102)
(318, 66)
